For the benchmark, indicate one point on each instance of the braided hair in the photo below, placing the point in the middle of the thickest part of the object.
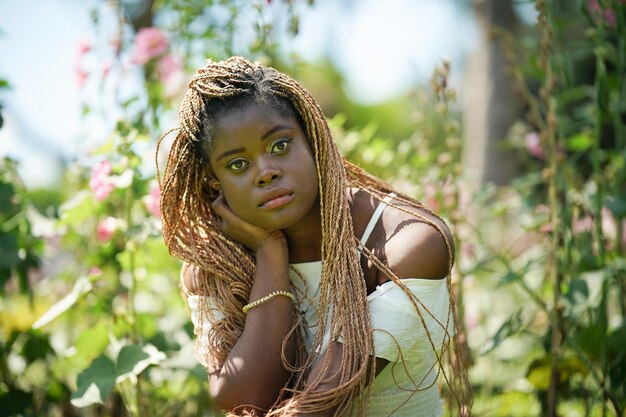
(225, 269)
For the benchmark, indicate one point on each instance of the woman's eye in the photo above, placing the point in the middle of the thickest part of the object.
(280, 146)
(237, 164)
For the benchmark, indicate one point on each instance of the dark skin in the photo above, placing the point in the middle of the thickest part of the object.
(261, 154)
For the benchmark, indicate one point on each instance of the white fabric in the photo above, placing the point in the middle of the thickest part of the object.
(202, 335)
(374, 219)
(400, 337)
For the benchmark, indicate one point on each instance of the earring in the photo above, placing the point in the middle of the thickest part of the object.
(216, 185)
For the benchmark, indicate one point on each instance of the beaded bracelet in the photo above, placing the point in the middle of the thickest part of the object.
(269, 296)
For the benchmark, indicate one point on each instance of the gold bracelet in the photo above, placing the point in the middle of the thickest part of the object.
(269, 296)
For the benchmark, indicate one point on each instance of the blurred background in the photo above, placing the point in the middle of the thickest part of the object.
(505, 117)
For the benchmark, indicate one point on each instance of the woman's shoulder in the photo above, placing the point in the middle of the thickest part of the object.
(417, 243)
(413, 241)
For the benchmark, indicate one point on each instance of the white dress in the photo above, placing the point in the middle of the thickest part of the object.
(407, 385)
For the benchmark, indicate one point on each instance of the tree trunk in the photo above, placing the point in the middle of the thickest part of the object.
(490, 105)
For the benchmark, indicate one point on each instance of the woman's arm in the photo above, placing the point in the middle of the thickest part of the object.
(253, 372)
(330, 376)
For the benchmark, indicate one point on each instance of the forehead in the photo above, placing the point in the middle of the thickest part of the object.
(250, 121)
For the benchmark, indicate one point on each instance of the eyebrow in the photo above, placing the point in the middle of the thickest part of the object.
(263, 137)
(230, 152)
(274, 130)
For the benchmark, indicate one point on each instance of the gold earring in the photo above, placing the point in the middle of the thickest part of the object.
(216, 185)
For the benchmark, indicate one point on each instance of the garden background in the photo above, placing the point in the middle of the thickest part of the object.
(524, 155)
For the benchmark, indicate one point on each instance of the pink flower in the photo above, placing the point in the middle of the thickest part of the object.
(533, 145)
(84, 46)
(431, 197)
(175, 85)
(468, 249)
(95, 271)
(116, 43)
(170, 72)
(600, 16)
(106, 229)
(100, 182)
(81, 76)
(594, 7)
(609, 18)
(472, 317)
(168, 65)
(149, 44)
(107, 64)
(153, 200)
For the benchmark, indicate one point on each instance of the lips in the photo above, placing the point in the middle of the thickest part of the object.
(275, 197)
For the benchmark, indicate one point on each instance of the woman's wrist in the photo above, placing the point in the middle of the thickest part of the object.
(274, 245)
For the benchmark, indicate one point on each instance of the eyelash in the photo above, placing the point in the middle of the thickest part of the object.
(231, 164)
(281, 141)
(284, 141)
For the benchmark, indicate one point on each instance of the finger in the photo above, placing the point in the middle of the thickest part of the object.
(221, 209)
(219, 204)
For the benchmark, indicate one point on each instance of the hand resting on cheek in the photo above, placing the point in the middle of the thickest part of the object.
(249, 235)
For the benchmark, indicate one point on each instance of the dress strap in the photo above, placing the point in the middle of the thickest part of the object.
(377, 213)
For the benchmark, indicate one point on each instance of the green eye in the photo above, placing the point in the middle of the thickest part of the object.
(237, 164)
(280, 146)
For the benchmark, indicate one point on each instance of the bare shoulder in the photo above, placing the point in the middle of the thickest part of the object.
(413, 242)
(417, 244)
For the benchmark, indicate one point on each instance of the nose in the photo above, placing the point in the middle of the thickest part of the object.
(268, 172)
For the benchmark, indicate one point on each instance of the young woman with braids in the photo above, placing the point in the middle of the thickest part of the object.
(314, 289)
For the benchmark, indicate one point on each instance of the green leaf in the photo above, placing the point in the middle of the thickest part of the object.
(616, 205)
(79, 208)
(509, 277)
(134, 359)
(92, 341)
(56, 391)
(14, 402)
(9, 256)
(508, 328)
(95, 383)
(37, 346)
(539, 372)
(579, 142)
(616, 341)
(106, 148)
(576, 298)
(7, 191)
(592, 338)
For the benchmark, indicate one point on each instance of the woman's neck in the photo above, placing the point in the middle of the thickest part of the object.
(304, 239)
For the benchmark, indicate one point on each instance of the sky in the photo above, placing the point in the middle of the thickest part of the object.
(381, 48)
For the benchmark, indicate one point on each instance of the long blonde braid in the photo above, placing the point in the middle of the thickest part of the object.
(225, 269)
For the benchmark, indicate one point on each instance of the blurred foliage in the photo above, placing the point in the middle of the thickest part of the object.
(91, 316)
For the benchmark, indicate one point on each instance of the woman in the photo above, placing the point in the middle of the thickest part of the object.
(315, 290)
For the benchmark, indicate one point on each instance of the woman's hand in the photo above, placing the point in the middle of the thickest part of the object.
(249, 235)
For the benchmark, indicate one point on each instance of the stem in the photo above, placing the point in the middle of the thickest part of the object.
(620, 147)
(595, 159)
(130, 247)
(548, 135)
(132, 311)
(621, 73)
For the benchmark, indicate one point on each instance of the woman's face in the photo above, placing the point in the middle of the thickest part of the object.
(265, 166)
